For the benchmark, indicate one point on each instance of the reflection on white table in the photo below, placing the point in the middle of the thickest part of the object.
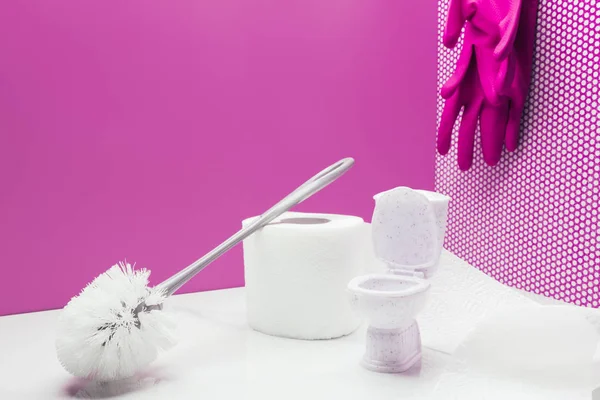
(219, 357)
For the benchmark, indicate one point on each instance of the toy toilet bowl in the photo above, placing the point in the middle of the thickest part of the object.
(390, 304)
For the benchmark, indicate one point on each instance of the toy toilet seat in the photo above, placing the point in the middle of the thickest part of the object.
(389, 285)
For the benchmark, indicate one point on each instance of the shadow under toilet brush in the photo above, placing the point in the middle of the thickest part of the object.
(116, 325)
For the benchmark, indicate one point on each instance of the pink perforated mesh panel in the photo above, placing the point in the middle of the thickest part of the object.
(532, 221)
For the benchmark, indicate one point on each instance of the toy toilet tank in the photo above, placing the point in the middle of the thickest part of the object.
(408, 229)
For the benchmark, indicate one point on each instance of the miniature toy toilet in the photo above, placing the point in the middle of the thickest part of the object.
(408, 229)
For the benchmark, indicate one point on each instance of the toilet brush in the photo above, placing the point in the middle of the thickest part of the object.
(117, 324)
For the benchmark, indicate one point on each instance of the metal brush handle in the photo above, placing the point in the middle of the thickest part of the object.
(303, 192)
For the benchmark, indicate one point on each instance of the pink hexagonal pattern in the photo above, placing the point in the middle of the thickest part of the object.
(532, 221)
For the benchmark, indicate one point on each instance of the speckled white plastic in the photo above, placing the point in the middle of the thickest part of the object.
(390, 304)
(408, 229)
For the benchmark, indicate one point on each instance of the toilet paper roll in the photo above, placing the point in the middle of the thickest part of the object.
(297, 269)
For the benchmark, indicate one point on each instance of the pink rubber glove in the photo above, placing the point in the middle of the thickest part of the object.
(464, 89)
(519, 87)
(494, 25)
(495, 22)
(491, 78)
(505, 82)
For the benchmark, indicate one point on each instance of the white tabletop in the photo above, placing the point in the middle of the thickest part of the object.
(220, 357)
(217, 357)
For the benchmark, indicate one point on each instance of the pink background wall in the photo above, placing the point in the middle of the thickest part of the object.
(148, 130)
(532, 221)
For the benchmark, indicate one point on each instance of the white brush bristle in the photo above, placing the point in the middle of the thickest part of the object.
(102, 337)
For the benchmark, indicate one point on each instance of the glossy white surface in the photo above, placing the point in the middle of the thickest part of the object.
(534, 352)
(219, 357)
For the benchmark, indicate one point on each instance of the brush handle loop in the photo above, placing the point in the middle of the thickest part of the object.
(303, 192)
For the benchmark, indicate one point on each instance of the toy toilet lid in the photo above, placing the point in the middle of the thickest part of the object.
(405, 231)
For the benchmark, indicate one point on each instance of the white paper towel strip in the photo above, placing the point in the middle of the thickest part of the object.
(533, 352)
(460, 298)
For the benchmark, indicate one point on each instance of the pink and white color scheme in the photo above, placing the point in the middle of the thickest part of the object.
(532, 221)
(148, 130)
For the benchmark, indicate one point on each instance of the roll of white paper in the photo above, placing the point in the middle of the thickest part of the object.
(297, 269)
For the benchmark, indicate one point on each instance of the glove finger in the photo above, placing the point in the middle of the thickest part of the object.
(513, 127)
(458, 13)
(488, 70)
(466, 135)
(506, 74)
(462, 67)
(493, 122)
(449, 115)
(454, 24)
